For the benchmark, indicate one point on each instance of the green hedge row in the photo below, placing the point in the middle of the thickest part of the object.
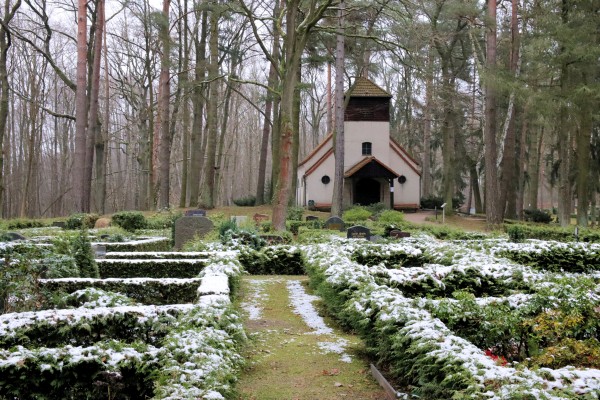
(149, 268)
(518, 232)
(278, 260)
(157, 255)
(144, 244)
(557, 259)
(417, 349)
(80, 372)
(191, 354)
(53, 328)
(145, 291)
(390, 257)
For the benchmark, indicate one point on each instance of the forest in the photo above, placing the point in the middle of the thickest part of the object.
(145, 105)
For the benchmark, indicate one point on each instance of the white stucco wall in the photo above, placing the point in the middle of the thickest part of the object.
(357, 132)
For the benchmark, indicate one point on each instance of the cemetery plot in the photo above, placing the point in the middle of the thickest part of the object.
(100, 341)
(466, 322)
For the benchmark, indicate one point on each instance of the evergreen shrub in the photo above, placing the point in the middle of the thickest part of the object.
(248, 201)
(537, 215)
(391, 217)
(294, 213)
(129, 220)
(81, 221)
(23, 223)
(84, 255)
(274, 260)
(356, 214)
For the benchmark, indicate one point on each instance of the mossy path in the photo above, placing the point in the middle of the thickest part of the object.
(293, 352)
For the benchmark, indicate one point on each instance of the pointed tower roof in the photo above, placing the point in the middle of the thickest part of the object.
(363, 87)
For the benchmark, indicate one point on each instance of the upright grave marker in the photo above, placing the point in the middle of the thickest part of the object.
(335, 223)
(186, 228)
(358, 232)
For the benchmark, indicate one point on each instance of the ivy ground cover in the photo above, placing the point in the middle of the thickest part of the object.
(460, 320)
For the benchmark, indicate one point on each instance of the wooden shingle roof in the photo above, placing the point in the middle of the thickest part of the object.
(365, 88)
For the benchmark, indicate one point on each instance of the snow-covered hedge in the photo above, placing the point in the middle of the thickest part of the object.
(180, 351)
(150, 268)
(143, 290)
(419, 349)
(142, 244)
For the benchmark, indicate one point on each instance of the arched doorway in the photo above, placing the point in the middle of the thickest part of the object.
(367, 191)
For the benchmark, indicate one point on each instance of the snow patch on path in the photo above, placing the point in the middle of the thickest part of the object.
(302, 303)
(257, 296)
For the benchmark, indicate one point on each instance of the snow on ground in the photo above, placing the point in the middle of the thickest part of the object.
(257, 297)
(302, 303)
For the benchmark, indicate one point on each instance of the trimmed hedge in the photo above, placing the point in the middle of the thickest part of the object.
(158, 255)
(275, 260)
(142, 244)
(150, 268)
(129, 220)
(145, 291)
(545, 232)
(53, 328)
(557, 259)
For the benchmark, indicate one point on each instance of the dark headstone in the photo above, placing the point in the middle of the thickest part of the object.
(312, 218)
(99, 250)
(59, 224)
(13, 236)
(358, 232)
(398, 234)
(273, 239)
(186, 228)
(335, 223)
(259, 218)
(195, 213)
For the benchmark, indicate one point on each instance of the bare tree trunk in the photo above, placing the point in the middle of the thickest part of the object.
(268, 122)
(448, 136)
(584, 135)
(207, 196)
(196, 160)
(426, 187)
(5, 43)
(102, 134)
(184, 82)
(163, 111)
(492, 207)
(524, 166)
(81, 108)
(94, 139)
(340, 55)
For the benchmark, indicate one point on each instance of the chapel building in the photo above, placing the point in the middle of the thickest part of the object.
(376, 168)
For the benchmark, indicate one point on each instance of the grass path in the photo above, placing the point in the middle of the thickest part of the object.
(294, 353)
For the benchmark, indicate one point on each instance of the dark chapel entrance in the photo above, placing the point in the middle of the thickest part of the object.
(367, 191)
(368, 176)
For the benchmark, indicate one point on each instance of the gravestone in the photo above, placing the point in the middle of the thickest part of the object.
(195, 213)
(99, 250)
(59, 224)
(335, 223)
(239, 219)
(312, 218)
(186, 228)
(358, 232)
(398, 234)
